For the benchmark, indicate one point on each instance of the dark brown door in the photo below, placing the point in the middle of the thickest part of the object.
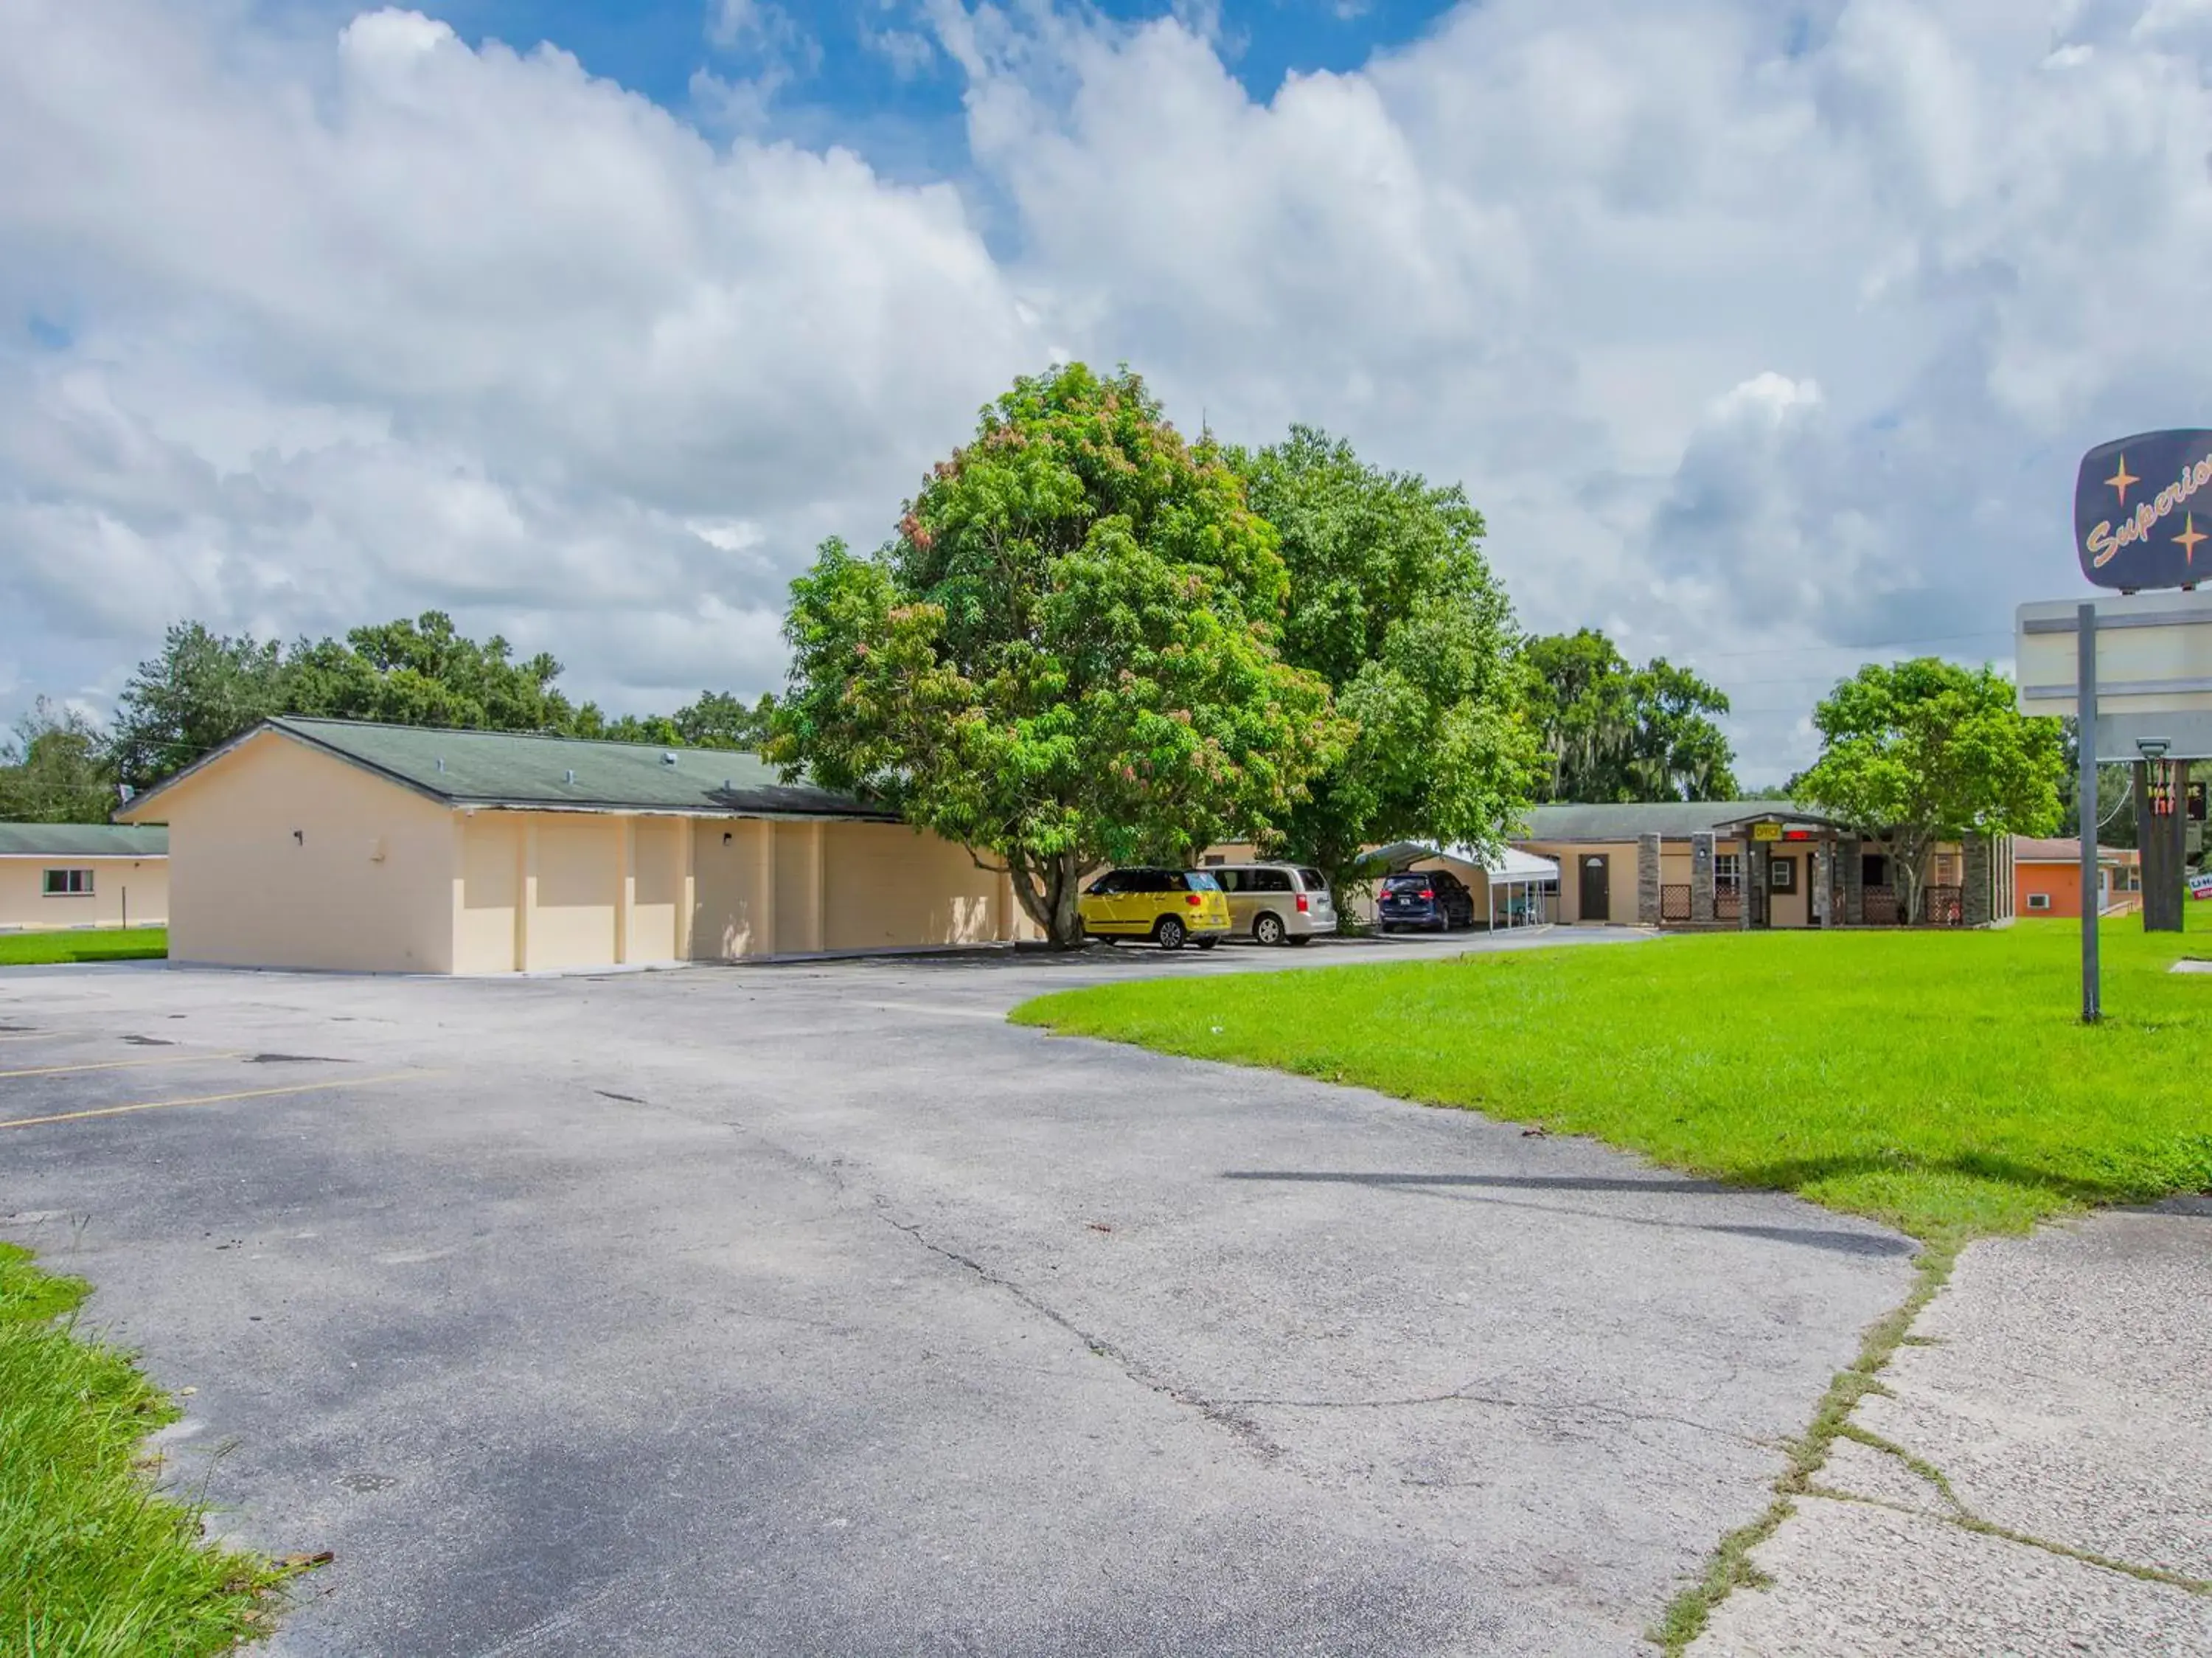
(1597, 888)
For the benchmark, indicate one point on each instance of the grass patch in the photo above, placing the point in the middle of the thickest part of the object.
(94, 1564)
(105, 944)
(1942, 1082)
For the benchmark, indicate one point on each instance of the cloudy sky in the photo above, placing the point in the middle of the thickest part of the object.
(1766, 335)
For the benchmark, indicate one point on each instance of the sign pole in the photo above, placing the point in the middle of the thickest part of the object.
(2086, 715)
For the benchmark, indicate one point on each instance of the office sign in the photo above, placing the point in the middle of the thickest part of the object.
(2135, 511)
(1766, 832)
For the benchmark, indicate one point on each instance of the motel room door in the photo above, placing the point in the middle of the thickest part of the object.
(1596, 888)
(1786, 889)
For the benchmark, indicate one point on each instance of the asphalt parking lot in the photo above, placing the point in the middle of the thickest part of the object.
(813, 1309)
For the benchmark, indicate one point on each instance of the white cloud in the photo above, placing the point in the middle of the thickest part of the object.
(1758, 333)
(400, 323)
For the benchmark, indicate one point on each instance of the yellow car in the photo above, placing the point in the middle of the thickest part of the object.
(1167, 907)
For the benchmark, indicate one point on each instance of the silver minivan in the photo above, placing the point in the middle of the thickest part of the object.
(1276, 903)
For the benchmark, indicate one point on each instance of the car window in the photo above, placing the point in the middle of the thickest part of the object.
(1231, 881)
(1271, 880)
(1404, 883)
(1107, 884)
(1201, 880)
(1151, 880)
(1311, 880)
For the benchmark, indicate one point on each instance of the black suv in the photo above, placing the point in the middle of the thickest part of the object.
(1435, 899)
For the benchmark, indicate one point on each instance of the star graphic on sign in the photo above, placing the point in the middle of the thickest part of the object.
(2121, 479)
(2190, 536)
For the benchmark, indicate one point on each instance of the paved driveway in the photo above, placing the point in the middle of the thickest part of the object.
(815, 1310)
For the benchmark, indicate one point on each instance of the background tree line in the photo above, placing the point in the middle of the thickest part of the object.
(205, 688)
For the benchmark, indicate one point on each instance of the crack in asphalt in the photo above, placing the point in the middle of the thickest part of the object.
(1500, 1401)
(1214, 1411)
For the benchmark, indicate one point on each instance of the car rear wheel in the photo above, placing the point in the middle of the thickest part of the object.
(1204, 943)
(1268, 929)
(1169, 933)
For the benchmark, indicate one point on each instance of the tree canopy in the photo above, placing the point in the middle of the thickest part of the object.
(1393, 605)
(1613, 731)
(55, 768)
(1924, 750)
(205, 688)
(1067, 654)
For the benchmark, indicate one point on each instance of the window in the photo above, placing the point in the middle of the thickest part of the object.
(1312, 881)
(1197, 881)
(69, 883)
(2038, 900)
(1109, 884)
(1269, 881)
(1728, 871)
(1781, 875)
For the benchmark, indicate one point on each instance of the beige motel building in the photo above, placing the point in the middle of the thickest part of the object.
(1750, 863)
(330, 843)
(60, 875)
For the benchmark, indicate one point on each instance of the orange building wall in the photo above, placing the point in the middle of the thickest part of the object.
(2062, 881)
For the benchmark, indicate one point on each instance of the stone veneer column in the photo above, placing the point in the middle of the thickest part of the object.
(1974, 902)
(1752, 874)
(1853, 852)
(1701, 878)
(1647, 880)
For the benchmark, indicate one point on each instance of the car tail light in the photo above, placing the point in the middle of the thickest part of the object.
(1302, 903)
(1427, 892)
(1193, 898)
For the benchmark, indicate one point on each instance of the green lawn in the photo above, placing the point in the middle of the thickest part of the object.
(1941, 1082)
(116, 944)
(92, 1564)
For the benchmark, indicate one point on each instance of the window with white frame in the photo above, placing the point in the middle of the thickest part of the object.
(69, 883)
(2038, 900)
(1728, 871)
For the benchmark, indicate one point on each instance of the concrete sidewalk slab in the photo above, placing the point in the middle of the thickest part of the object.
(2061, 1384)
(1855, 1579)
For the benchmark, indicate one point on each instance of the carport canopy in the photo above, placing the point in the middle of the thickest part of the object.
(1505, 870)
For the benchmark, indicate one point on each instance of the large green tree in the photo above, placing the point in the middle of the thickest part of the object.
(1613, 731)
(199, 694)
(55, 768)
(1925, 751)
(1067, 656)
(1393, 605)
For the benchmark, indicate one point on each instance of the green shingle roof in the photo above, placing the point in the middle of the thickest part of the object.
(82, 840)
(1670, 820)
(522, 770)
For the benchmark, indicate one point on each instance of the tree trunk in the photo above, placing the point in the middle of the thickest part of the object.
(1048, 888)
(1910, 858)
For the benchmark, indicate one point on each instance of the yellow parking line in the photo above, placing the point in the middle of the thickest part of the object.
(122, 1064)
(216, 1099)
